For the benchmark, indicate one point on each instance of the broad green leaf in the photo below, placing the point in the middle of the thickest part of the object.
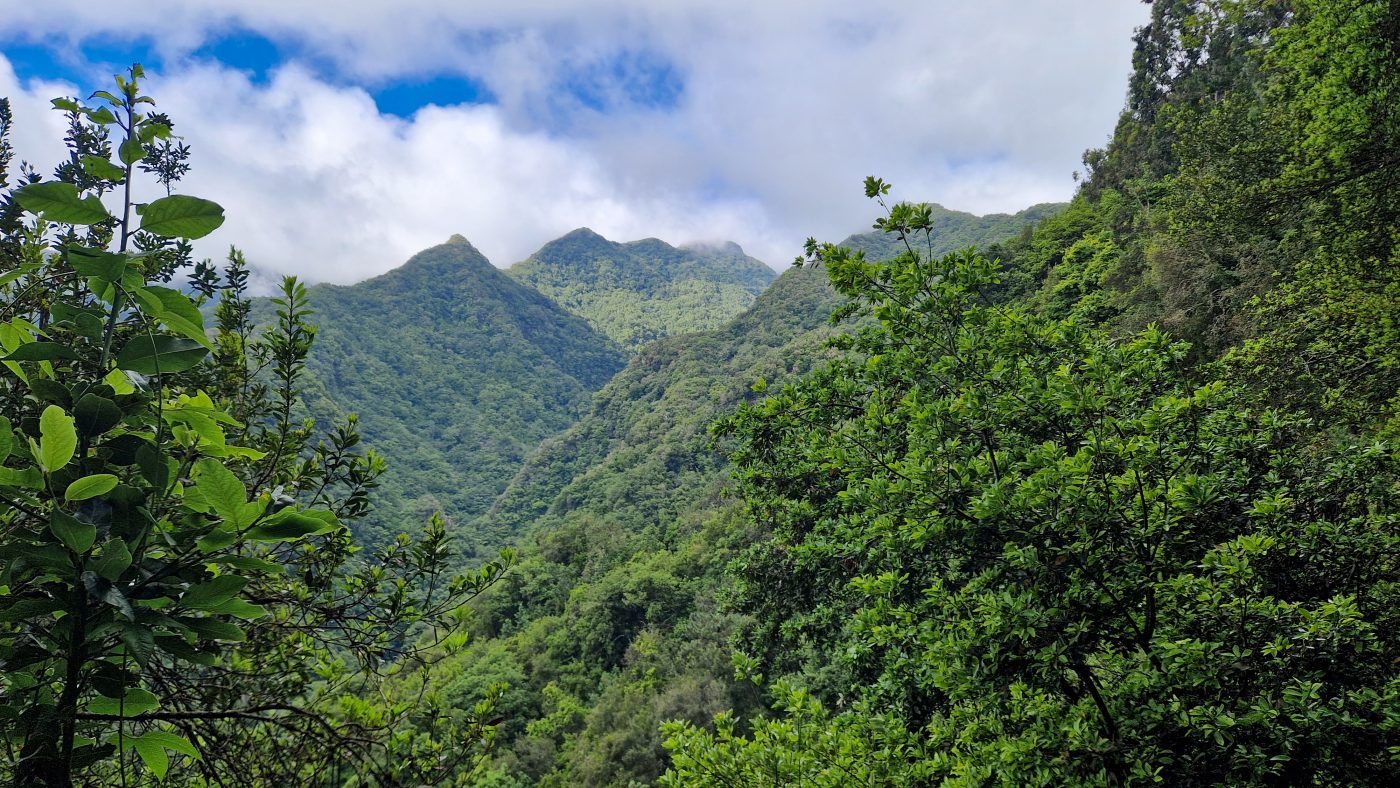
(153, 755)
(76, 535)
(131, 150)
(7, 438)
(120, 383)
(179, 216)
(135, 702)
(240, 608)
(90, 487)
(28, 478)
(59, 202)
(139, 640)
(41, 351)
(152, 355)
(100, 167)
(150, 130)
(58, 439)
(210, 595)
(290, 525)
(214, 629)
(175, 310)
(94, 415)
(216, 489)
(96, 263)
(249, 563)
(151, 746)
(113, 561)
(154, 466)
(101, 116)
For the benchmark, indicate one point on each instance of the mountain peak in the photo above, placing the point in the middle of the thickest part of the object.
(581, 233)
(458, 238)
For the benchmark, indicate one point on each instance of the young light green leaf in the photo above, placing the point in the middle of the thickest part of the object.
(179, 216)
(90, 487)
(58, 439)
(59, 202)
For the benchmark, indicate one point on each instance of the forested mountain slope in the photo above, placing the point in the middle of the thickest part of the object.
(611, 624)
(457, 371)
(644, 290)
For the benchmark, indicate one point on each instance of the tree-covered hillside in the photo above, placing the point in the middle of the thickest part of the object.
(457, 372)
(611, 624)
(644, 290)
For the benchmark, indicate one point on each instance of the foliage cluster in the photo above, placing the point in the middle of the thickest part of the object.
(176, 575)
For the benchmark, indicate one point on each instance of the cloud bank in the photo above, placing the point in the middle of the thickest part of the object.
(688, 121)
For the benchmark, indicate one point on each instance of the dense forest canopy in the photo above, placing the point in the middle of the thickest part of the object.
(1102, 493)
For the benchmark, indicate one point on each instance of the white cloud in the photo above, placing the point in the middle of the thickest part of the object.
(784, 108)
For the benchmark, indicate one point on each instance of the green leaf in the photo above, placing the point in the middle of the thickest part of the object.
(94, 415)
(90, 487)
(41, 351)
(214, 629)
(290, 525)
(59, 202)
(100, 167)
(101, 116)
(210, 595)
(96, 263)
(137, 701)
(216, 489)
(29, 478)
(151, 355)
(140, 641)
(240, 608)
(58, 439)
(249, 563)
(153, 466)
(153, 755)
(113, 561)
(175, 310)
(76, 535)
(179, 216)
(151, 746)
(7, 438)
(131, 150)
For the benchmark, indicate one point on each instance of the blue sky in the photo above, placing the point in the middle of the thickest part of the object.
(343, 138)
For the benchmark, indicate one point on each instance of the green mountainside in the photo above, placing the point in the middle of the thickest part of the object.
(644, 290)
(951, 230)
(457, 372)
(610, 623)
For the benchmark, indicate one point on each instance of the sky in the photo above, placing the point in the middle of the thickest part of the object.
(343, 137)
